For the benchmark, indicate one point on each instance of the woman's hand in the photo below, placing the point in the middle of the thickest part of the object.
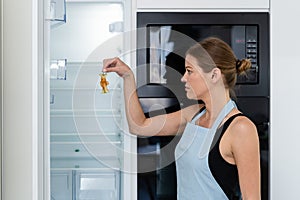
(168, 124)
(116, 65)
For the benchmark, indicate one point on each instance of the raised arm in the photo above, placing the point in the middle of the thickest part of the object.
(167, 124)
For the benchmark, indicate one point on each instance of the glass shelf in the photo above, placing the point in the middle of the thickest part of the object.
(58, 69)
(57, 12)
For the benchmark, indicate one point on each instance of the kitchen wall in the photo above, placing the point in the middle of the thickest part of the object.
(20, 99)
(285, 98)
(1, 86)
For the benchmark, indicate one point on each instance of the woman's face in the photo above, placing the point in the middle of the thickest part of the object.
(195, 79)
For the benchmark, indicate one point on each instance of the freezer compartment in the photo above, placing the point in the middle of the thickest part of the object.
(83, 185)
(61, 185)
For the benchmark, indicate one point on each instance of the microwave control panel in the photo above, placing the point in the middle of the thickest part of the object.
(251, 52)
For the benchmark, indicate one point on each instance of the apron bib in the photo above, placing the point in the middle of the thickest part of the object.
(194, 178)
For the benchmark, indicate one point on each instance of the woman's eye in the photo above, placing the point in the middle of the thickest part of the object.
(188, 71)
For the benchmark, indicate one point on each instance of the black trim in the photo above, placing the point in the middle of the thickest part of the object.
(224, 173)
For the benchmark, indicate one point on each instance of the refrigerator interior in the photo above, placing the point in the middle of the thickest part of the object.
(86, 140)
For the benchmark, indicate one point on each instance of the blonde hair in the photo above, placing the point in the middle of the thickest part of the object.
(213, 52)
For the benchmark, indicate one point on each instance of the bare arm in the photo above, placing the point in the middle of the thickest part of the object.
(245, 148)
(168, 124)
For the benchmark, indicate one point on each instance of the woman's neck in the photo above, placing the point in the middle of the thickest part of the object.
(214, 105)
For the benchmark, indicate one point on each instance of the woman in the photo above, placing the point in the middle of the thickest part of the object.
(217, 156)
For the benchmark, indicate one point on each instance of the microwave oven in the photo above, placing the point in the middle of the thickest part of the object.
(164, 37)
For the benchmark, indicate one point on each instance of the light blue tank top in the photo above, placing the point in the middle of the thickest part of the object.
(194, 178)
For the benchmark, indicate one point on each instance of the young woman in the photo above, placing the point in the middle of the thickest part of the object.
(217, 156)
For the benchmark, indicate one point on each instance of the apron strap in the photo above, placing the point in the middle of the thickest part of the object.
(209, 137)
(198, 114)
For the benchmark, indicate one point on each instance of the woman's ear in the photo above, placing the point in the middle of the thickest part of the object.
(215, 74)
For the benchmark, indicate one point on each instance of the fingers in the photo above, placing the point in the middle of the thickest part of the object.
(109, 65)
(116, 65)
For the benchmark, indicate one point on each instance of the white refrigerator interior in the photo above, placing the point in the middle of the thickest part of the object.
(86, 139)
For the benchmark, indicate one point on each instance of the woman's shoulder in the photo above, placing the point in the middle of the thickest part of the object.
(242, 128)
(241, 121)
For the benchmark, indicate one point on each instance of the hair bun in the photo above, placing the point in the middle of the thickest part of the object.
(238, 63)
(242, 65)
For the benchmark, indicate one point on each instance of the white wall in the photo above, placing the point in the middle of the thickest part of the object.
(19, 175)
(285, 99)
(1, 64)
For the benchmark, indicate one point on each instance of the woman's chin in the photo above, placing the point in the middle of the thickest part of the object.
(191, 96)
